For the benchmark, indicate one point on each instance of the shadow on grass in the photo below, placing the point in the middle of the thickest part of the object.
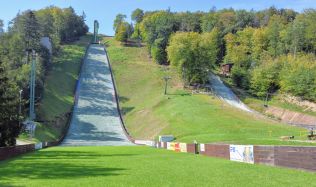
(56, 165)
(131, 43)
(126, 110)
(180, 94)
(123, 99)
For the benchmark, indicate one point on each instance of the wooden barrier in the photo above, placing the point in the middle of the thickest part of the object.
(216, 150)
(191, 148)
(264, 155)
(295, 157)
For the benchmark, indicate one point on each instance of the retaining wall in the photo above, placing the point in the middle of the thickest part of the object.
(295, 157)
(215, 150)
(8, 152)
(303, 158)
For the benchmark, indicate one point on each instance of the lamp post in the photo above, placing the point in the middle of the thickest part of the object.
(166, 78)
(20, 102)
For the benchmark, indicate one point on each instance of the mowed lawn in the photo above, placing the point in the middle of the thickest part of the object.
(139, 166)
(148, 112)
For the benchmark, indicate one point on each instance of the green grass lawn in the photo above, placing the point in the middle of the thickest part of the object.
(148, 113)
(59, 90)
(139, 166)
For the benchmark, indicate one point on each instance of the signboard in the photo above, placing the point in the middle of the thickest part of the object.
(202, 147)
(166, 138)
(38, 146)
(171, 146)
(241, 153)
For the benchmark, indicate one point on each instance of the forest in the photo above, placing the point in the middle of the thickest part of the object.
(271, 50)
(23, 35)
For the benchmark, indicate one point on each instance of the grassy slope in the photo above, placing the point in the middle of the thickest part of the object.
(59, 90)
(139, 166)
(257, 103)
(189, 117)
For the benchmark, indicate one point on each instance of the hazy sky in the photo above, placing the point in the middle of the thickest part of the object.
(105, 10)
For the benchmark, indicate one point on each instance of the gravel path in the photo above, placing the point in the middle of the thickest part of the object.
(95, 120)
(226, 94)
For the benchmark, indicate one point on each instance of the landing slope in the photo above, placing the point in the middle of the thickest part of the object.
(95, 119)
(226, 94)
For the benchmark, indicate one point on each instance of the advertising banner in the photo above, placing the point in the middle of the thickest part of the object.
(168, 145)
(171, 146)
(241, 153)
(162, 144)
(177, 147)
(183, 147)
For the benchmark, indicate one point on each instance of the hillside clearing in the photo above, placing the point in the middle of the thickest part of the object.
(148, 113)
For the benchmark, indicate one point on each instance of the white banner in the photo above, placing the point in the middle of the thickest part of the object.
(241, 153)
(202, 147)
(162, 144)
(145, 142)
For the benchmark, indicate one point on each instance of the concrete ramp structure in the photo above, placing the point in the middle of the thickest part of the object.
(95, 119)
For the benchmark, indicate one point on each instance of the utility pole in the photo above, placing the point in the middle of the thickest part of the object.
(32, 87)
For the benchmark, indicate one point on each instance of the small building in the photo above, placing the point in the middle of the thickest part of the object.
(226, 69)
(166, 138)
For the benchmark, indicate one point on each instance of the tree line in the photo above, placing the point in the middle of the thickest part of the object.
(23, 35)
(271, 50)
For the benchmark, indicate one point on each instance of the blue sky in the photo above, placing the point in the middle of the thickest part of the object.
(105, 10)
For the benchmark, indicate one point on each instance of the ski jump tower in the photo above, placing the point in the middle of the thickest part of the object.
(95, 33)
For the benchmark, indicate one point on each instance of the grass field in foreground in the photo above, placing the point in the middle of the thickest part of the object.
(148, 113)
(59, 90)
(139, 166)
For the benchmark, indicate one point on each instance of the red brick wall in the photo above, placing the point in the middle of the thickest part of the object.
(216, 150)
(8, 152)
(264, 155)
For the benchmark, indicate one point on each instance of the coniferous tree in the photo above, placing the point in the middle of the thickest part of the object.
(30, 31)
(9, 124)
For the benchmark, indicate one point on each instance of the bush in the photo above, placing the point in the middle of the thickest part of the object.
(240, 77)
(298, 77)
(158, 51)
(265, 77)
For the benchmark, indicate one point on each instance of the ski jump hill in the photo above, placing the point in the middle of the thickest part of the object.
(95, 119)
